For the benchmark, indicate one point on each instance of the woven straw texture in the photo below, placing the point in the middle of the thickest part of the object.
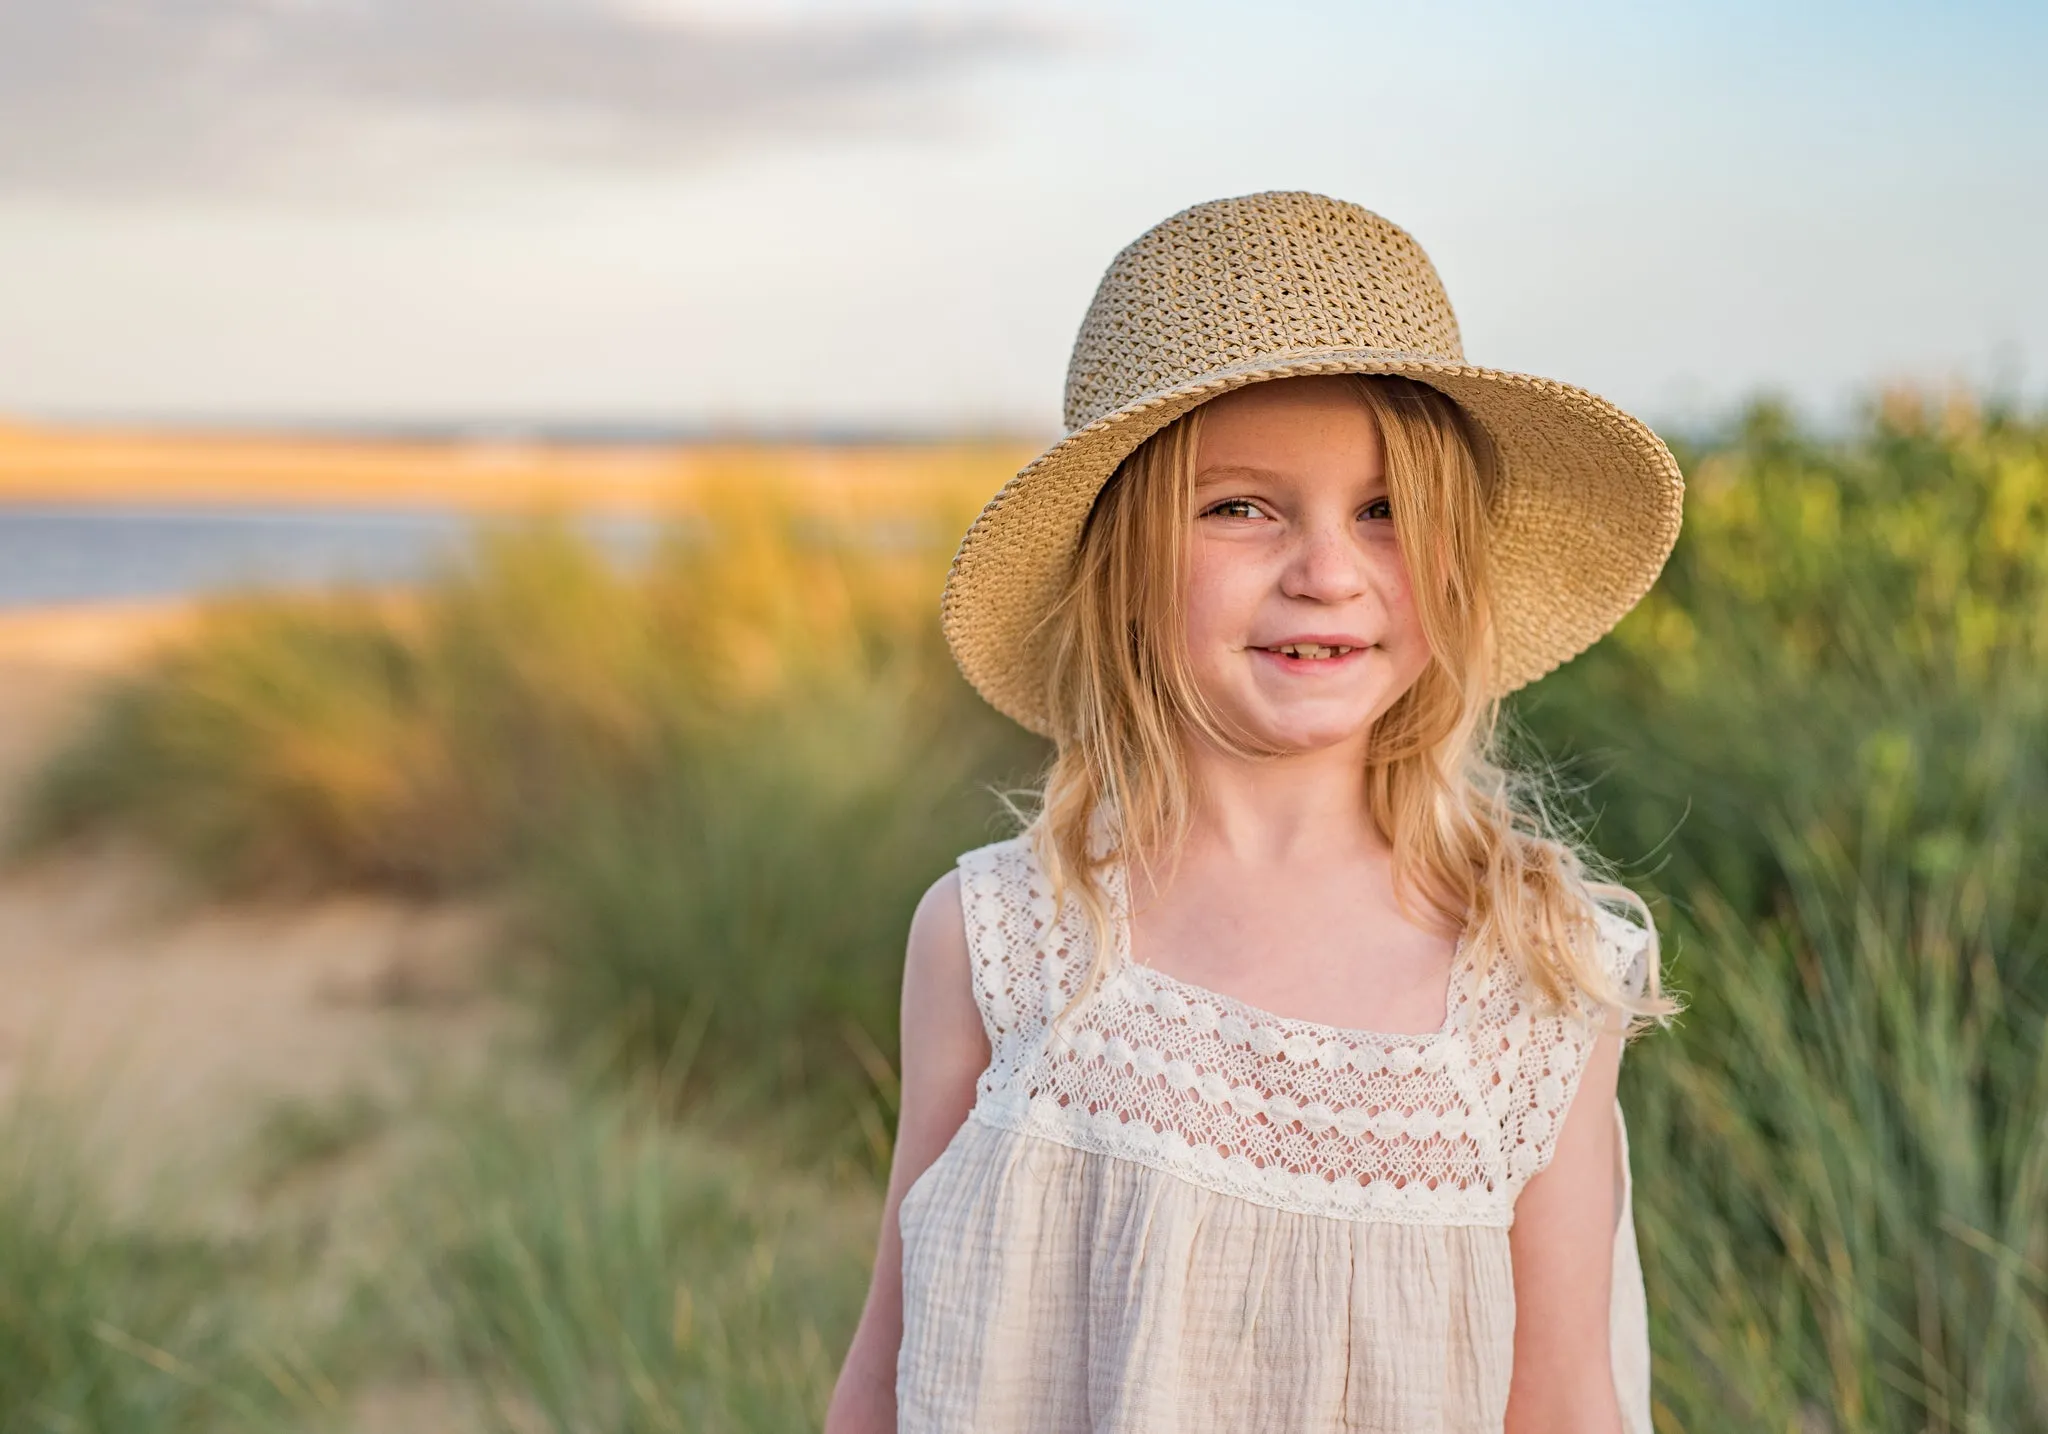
(1236, 291)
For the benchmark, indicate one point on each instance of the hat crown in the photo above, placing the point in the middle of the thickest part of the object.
(1240, 280)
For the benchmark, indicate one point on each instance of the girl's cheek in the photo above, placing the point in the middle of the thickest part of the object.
(1222, 593)
(1397, 592)
(1210, 625)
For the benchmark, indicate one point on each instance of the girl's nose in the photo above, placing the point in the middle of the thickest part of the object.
(1325, 565)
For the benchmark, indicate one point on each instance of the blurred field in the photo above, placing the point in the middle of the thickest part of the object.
(701, 801)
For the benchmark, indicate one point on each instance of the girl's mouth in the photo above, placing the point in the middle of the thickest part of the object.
(1301, 655)
(1313, 651)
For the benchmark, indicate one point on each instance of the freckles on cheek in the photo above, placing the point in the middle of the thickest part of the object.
(1211, 601)
(1397, 596)
(1393, 575)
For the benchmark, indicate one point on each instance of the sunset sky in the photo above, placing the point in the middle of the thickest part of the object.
(885, 218)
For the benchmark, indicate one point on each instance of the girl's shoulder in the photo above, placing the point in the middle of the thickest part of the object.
(1006, 893)
(1002, 874)
(1011, 849)
(1623, 971)
(1007, 912)
(1540, 1049)
(1624, 959)
(1627, 945)
(1009, 872)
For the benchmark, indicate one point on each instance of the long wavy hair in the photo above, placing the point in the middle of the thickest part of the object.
(1472, 838)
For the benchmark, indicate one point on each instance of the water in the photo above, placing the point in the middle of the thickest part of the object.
(75, 552)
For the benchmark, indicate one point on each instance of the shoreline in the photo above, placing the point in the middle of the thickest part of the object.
(94, 635)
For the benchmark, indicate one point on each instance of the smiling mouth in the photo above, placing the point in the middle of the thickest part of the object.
(1312, 651)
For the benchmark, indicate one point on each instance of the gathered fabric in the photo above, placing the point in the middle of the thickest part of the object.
(1177, 1212)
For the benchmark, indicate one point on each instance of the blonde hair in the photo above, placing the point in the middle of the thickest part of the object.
(1473, 839)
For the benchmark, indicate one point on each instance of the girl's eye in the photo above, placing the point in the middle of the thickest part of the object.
(1380, 508)
(1235, 508)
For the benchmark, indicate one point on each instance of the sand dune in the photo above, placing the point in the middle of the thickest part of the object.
(187, 1021)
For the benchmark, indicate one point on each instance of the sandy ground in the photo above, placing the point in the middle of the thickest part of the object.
(184, 1023)
(172, 1028)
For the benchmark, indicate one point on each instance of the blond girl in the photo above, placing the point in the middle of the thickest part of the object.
(1266, 1080)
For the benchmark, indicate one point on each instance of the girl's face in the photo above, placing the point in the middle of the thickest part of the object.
(1299, 625)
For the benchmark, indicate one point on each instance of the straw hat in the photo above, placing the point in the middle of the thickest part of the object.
(1266, 286)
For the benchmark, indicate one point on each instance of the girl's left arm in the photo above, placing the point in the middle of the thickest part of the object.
(1562, 1243)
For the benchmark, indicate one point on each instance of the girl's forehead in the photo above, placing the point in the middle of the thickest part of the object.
(1297, 426)
(1312, 390)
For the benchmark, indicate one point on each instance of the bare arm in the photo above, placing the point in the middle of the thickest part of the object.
(1562, 1244)
(945, 1050)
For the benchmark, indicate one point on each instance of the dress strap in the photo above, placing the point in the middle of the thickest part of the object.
(1009, 914)
(1541, 1054)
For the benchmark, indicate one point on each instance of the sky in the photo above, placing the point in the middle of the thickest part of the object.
(784, 216)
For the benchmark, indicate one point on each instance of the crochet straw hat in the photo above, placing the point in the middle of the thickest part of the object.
(1267, 286)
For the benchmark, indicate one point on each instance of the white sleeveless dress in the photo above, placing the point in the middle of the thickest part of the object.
(1190, 1215)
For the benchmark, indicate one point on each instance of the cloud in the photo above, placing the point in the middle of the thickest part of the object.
(130, 98)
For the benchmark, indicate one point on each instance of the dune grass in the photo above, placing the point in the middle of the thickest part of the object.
(589, 1265)
(554, 1255)
(131, 1320)
(423, 741)
(1824, 740)
(1843, 1192)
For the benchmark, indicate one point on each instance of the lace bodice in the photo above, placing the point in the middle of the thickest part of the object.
(1439, 1128)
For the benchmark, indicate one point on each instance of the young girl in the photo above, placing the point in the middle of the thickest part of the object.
(1266, 1081)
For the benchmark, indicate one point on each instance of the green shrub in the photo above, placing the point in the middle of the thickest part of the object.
(739, 922)
(300, 742)
(1835, 623)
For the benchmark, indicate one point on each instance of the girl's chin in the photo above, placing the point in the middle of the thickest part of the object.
(1301, 735)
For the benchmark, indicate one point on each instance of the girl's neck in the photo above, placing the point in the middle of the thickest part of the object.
(1307, 807)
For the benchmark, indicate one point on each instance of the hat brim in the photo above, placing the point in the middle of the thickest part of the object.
(1586, 513)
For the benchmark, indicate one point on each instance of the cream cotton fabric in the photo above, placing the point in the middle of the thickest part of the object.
(1186, 1214)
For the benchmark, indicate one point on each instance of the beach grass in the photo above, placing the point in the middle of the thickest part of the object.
(588, 1264)
(129, 1316)
(1843, 1161)
(1822, 743)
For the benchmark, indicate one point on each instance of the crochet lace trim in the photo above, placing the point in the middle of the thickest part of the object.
(1436, 1128)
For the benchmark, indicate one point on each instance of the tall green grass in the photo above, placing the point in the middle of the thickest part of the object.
(548, 1254)
(125, 1321)
(739, 923)
(1829, 724)
(424, 741)
(1843, 1166)
(589, 1267)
